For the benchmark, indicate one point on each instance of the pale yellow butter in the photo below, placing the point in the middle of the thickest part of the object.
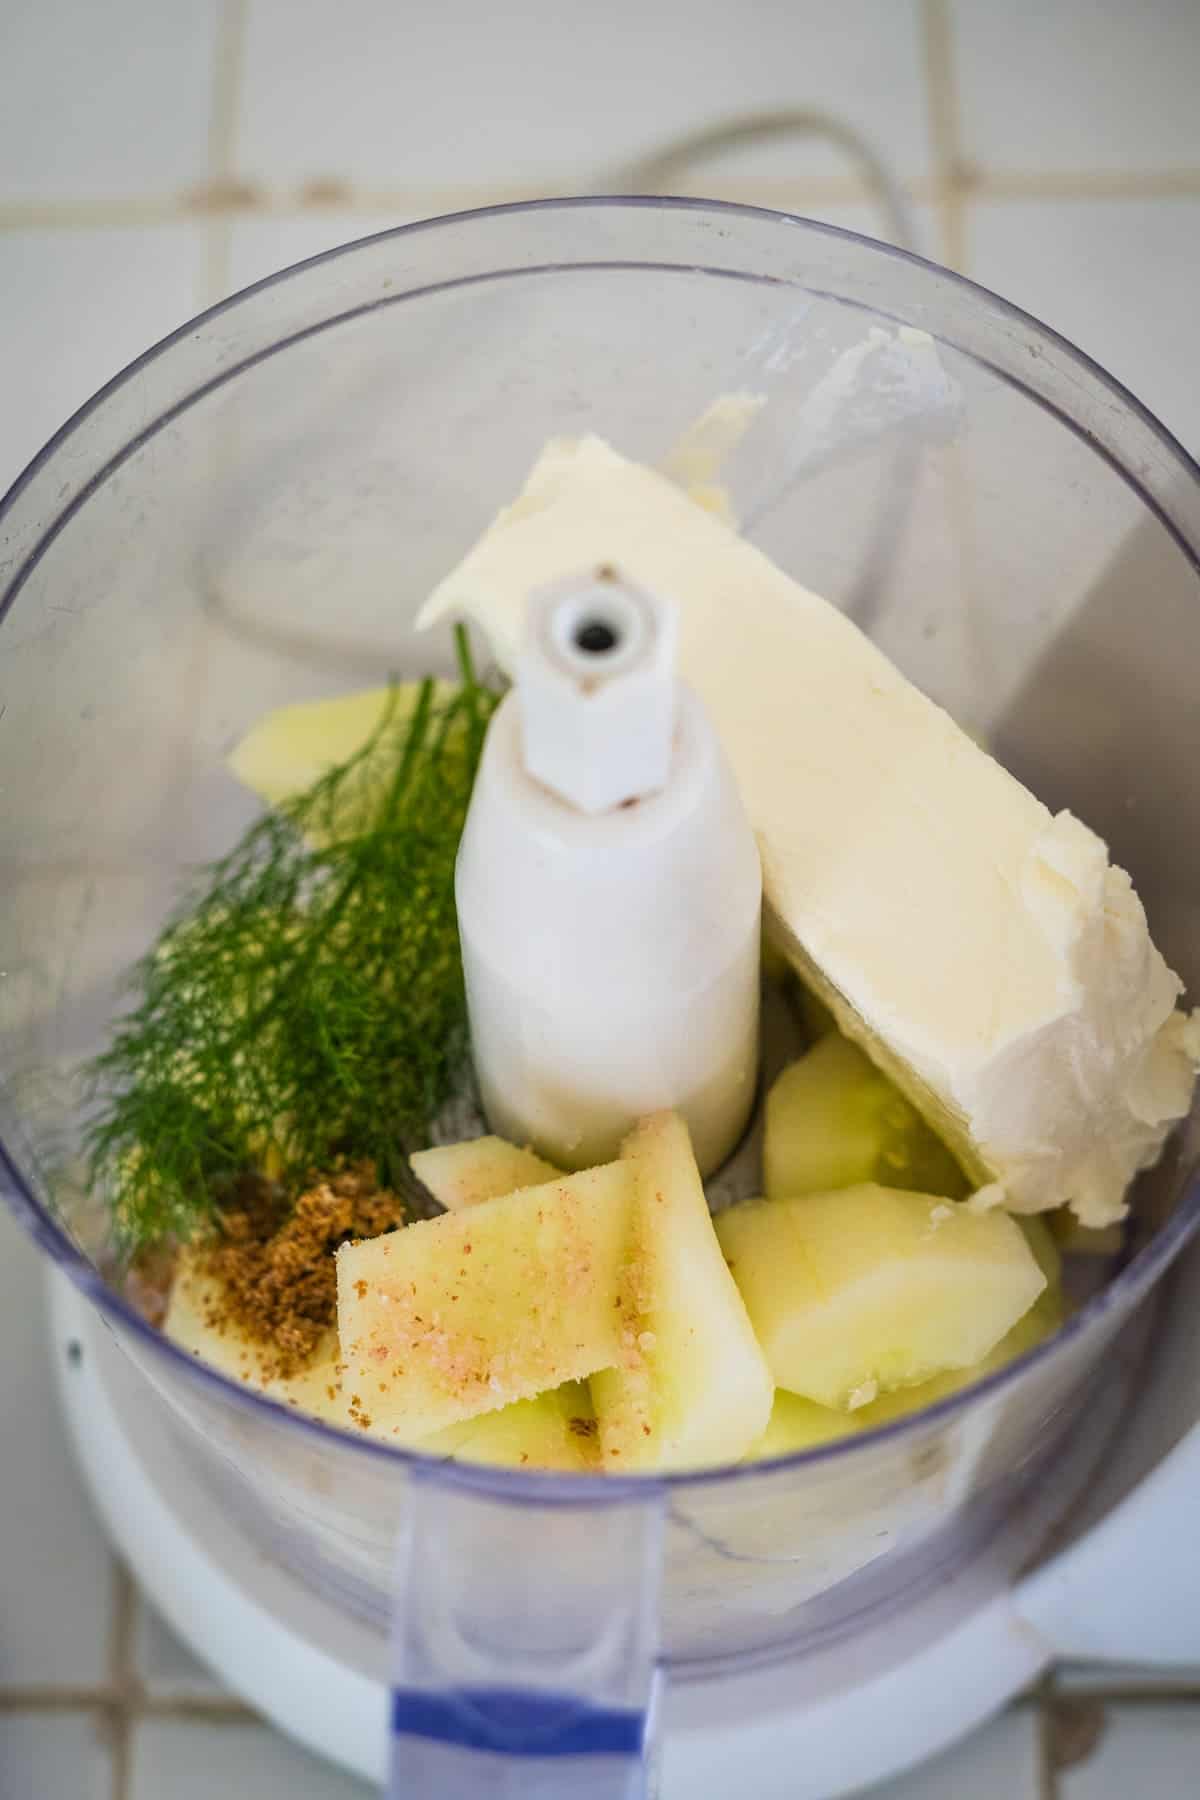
(985, 952)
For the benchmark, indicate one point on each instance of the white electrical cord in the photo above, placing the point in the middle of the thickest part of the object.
(656, 173)
(659, 171)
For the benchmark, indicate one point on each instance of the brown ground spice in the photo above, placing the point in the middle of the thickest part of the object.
(275, 1261)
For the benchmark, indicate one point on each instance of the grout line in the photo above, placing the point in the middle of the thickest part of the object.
(56, 1700)
(816, 190)
(937, 48)
(226, 198)
(218, 1708)
(937, 44)
(224, 193)
(57, 215)
(215, 286)
(122, 1678)
(228, 64)
(1078, 184)
(1167, 1693)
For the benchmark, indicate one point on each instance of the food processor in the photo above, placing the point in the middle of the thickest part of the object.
(253, 514)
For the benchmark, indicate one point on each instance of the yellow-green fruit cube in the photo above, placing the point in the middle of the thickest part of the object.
(196, 1321)
(799, 1424)
(554, 1431)
(691, 1386)
(292, 747)
(834, 1119)
(289, 750)
(486, 1168)
(867, 1289)
(1040, 1322)
(462, 1314)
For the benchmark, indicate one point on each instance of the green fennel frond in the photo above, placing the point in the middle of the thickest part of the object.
(308, 1004)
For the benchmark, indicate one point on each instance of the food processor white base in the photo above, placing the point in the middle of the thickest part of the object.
(865, 1709)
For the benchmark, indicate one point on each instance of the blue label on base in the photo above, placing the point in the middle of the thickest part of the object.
(517, 1722)
(459, 1743)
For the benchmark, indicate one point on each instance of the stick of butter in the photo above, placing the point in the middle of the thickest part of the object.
(984, 952)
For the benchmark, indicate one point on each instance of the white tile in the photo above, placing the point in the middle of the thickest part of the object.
(1119, 277)
(998, 1762)
(54, 1756)
(193, 1761)
(164, 1665)
(1078, 85)
(544, 96)
(56, 1576)
(1101, 1678)
(104, 101)
(78, 306)
(1152, 1752)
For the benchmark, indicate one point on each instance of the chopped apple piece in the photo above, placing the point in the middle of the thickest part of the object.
(290, 749)
(196, 1322)
(486, 1168)
(456, 1316)
(834, 1119)
(555, 1431)
(691, 1386)
(864, 1290)
(1040, 1322)
(799, 1424)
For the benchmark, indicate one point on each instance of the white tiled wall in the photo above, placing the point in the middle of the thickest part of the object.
(179, 1759)
(54, 1756)
(165, 1669)
(107, 103)
(547, 94)
(1002, 1758)
(56, 1579)
(1078, 87)
(153, 157)
(79, 303)
(1144, 1752)
(1116, 275)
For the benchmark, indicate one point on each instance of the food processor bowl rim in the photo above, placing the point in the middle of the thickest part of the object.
(548, 1487)
(682, 204)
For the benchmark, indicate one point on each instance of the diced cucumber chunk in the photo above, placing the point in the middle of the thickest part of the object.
(485, 1168)
(1040, 1322)
(867, 1289)
(833, 1120)
(692, 1387)
(799, 1424)
(555, 1430)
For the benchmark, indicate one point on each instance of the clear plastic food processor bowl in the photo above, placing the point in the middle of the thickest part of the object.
(252, 514)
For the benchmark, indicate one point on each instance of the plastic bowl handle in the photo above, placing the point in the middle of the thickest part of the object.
(526, 1642)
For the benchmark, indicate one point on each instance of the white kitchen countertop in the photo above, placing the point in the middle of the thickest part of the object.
(154, 157)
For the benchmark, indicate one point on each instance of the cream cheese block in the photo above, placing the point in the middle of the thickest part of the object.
(983, 950)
